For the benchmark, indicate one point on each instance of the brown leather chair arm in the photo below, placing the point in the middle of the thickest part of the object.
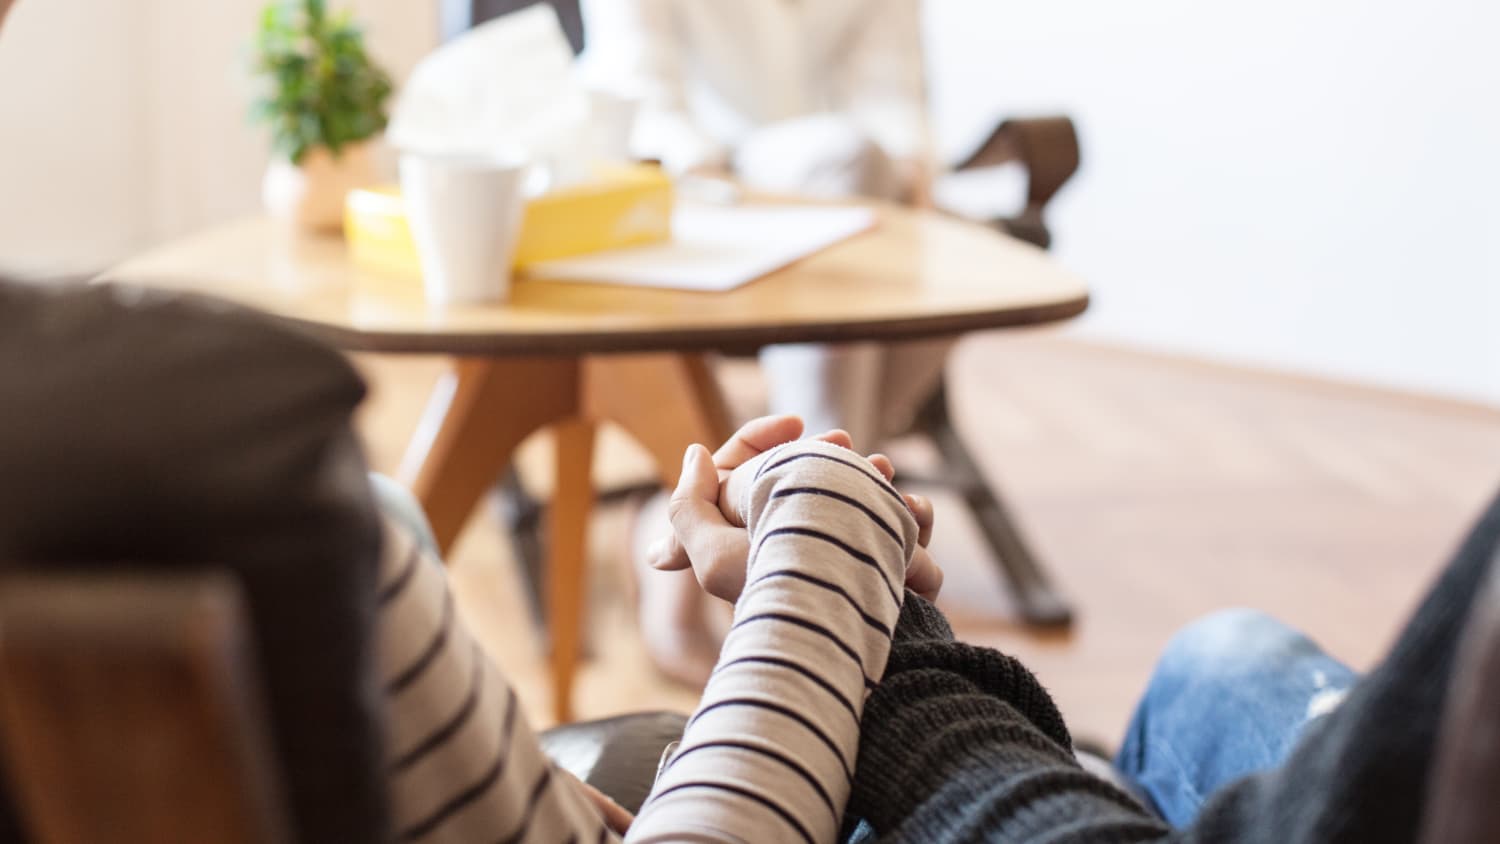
(617, 755)
(1048, 148)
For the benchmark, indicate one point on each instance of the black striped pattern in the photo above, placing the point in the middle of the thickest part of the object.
(747, 794)
(450, 727)
(826, 560)
(463, 752)
(838, 496)
(411, 673)
(532, 799)
(772, 706)
(811, 626)
(874, 623)
(787, 761)
(477, 789)
(780, 746)
(392, 590)
(822, 536)
(870, 475)
(832, 691)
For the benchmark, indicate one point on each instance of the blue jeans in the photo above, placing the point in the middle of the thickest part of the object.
(1230, 696)
(398, 504)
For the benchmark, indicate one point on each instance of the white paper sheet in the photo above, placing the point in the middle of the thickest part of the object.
(716, 247)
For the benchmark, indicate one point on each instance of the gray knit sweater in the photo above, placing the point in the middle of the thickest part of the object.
(961, 743)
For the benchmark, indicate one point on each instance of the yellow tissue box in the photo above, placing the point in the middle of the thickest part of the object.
(620, 206)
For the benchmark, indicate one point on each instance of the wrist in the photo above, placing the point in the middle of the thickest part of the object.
(921, 621)
(814, 463)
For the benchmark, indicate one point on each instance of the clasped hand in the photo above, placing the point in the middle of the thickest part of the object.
(707, 533)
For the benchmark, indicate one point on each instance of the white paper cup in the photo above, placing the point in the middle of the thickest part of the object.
(465, 214)
(612, 120)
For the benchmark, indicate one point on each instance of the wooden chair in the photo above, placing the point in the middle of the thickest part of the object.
(131, 712)
(1047, 148)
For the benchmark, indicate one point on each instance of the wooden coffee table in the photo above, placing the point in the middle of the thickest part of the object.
(569, 356)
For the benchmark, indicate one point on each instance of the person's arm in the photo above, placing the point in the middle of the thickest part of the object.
(771, 750)
(961, 743)
(633, 50)
(463, 763)
(770, 753)
(884, 82)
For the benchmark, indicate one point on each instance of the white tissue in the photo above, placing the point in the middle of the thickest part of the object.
(504, 89)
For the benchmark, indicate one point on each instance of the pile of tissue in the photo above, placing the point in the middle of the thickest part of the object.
(506, 89)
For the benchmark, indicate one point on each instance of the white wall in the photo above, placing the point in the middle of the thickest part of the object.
(71, 143)
(124, 123)
(1310, 185)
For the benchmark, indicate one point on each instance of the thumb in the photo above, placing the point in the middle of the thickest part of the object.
(694, 506)
(699, 479)
(715, 549)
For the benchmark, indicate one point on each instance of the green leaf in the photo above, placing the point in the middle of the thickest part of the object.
(319, 87)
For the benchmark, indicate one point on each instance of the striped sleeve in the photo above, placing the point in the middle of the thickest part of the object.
(463, 764)
(769, 755)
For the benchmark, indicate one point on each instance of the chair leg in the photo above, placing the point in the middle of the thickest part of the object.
(522, 515)
(665, 401)
(1036, 598)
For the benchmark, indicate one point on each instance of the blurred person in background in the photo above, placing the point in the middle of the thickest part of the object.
(822, 99)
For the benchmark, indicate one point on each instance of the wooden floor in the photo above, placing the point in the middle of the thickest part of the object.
(1159, 489)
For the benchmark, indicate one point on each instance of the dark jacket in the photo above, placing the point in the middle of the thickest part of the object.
(961, 743)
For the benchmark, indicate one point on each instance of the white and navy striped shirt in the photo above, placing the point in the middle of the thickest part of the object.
(768, 756)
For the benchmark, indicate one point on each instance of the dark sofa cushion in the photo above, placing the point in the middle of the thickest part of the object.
(147, 429)
(619, 755)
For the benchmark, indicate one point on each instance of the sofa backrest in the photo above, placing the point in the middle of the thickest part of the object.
(133, 712)
(183, 434)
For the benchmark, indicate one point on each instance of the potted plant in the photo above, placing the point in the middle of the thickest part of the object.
(324, 100)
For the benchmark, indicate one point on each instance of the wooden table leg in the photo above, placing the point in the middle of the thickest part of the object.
(665, 401)
(468, 435)
(486, 407)
(567, 557)
(476, 417)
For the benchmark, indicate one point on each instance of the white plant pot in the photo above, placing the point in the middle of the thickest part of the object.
(311, 194)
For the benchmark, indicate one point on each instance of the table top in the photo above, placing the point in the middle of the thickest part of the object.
(915, 274)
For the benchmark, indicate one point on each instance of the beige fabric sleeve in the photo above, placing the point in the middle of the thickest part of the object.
(769, 754)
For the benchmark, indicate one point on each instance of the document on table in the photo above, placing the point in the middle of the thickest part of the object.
(715, 247)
